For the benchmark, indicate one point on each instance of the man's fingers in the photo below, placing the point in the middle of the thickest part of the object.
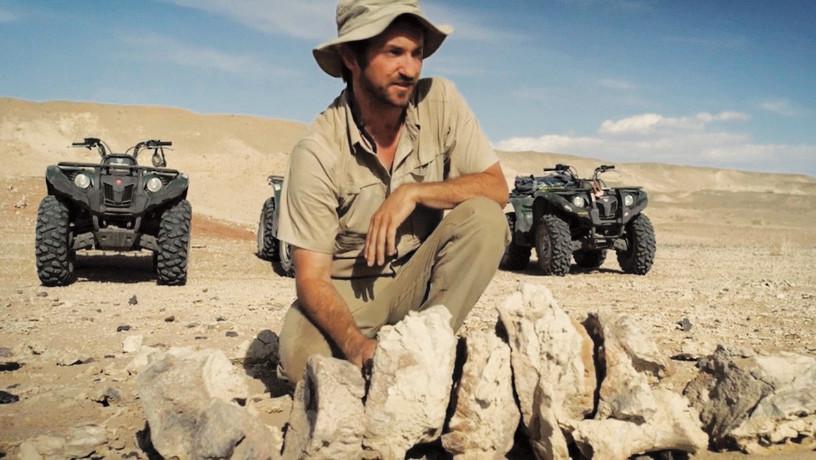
(391, 240)
(381, 239)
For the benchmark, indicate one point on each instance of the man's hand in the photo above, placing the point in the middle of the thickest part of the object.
(362, 352)
(381, 240)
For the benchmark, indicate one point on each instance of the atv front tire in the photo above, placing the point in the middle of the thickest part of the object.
(267, 243)
(174, 244)
(640, 238)
(54, 257)
(287, 265)
(515, 257)
(589, 258)
(553, 245)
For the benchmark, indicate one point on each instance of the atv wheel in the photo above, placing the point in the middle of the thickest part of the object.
(54, 257)
(640, 238)
(589, 258)
(287, 265)
(174, 244)
(267, 243)
(553, 245)
(515, 257)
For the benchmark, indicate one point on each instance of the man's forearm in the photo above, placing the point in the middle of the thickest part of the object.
(445, 195)
(324, 306)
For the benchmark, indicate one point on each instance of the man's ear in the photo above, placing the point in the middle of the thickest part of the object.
(348, 58)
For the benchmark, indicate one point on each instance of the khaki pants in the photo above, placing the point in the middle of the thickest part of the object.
(452, 267)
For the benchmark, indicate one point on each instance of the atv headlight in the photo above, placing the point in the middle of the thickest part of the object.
(628, 200)
(154, 184)
(82, 181)
(578, 201)
(276, 186)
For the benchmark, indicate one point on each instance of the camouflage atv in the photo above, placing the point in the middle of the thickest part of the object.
(269, 247)
(564, 217)
(117, 205)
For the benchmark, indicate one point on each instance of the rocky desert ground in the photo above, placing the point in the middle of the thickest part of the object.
(734, 266)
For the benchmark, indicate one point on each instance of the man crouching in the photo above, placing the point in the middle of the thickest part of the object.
(364, 197)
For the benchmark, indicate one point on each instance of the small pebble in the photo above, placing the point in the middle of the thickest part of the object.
(6, 352)
(231, 334)
(220, 318)
(42, 294)
(133, 300)
(8, 398)
(169, 319)
(201, 337)
(9, 366)
(123, 327)
(684, 325)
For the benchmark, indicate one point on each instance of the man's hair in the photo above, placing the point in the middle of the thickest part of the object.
(360, 47)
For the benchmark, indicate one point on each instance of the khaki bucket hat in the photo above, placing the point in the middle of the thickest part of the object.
(363, 19)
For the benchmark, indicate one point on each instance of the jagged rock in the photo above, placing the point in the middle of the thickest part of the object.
(625, 393)
(224, 430)
(486, 416)
(326, 419)
(553, 368)
(81, 441)
(411, 382)
(624, 332)
(141, 360)
(72, 358)
(132, 343)
(177, 387)
(673, 426)
(757, 401)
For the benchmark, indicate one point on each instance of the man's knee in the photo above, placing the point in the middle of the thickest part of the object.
(483, 217)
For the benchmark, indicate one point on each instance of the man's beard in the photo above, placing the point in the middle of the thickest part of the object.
(381, 94)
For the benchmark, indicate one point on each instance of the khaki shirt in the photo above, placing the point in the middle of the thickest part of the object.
(335, 181)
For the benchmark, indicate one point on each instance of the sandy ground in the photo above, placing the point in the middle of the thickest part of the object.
(735, 257)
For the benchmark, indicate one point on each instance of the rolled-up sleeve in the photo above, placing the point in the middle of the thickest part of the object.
(468, 147)
(308, 208)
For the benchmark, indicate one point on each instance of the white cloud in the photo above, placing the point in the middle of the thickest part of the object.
(304, 19)
(780, 107)
(679, 140)
(166, 49)
(650, 122)
(7, 16)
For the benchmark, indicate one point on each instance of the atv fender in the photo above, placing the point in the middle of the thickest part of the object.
(551, 203)
(174, 191)
(640, 204)
(58, 184)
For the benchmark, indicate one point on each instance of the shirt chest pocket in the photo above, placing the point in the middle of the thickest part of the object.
(358, 205)
(431, 168)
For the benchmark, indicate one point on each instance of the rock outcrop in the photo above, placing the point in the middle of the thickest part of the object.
(755, 402)
(191, 400)
(486, 415)
(410, 383)
(553, 368)
(326, 420)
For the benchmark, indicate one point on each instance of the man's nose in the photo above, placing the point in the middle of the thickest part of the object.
(410, 67)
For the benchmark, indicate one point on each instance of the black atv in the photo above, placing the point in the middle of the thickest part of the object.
(564, 217)
(269, 247)
(114, 205)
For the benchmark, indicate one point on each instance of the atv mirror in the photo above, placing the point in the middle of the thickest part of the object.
(158, 160)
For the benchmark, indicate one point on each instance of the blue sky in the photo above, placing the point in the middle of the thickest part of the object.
(711, 83)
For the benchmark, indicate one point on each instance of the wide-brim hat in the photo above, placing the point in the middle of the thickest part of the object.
(363, 19)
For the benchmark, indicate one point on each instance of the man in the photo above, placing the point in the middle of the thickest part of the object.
(364, 197)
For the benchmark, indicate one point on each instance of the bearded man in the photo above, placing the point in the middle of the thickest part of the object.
(366, 192)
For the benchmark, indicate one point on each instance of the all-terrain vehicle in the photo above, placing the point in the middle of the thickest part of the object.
(564, 217)
(269, 247)
(114, 205)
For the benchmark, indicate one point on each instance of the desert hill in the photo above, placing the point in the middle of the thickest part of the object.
(229, 156)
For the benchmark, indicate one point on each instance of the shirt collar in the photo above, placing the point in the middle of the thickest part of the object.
(355, 131)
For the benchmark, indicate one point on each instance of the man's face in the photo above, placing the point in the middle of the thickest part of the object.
(394, 64)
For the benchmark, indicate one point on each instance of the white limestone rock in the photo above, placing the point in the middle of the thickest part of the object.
(486, 416)
(411, 383)
(553, 367)
(327, 416)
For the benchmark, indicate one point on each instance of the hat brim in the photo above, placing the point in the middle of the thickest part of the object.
(328, 56)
